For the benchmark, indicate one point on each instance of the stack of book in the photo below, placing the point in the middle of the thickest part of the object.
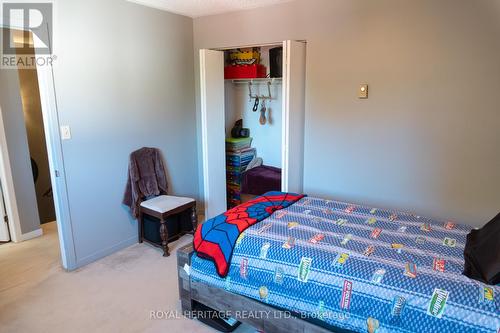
(238, 154)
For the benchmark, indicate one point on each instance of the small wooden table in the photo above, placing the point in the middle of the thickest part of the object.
(161, 207)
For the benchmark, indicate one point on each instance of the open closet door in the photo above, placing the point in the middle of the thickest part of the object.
(213, 131)
(294, 80)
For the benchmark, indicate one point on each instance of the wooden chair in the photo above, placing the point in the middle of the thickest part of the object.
(161, 207)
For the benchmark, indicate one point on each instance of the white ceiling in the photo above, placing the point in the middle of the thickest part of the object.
(197, 8)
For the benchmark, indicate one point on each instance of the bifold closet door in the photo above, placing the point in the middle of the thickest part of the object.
(294, 80)
(213, 131)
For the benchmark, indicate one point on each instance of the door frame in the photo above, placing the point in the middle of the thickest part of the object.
(51, 124)
(285, 149)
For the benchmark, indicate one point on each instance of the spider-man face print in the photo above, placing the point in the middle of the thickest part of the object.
(215, 239)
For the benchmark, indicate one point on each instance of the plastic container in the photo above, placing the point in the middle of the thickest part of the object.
(245, 72)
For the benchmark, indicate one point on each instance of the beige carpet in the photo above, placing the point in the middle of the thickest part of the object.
(115, 294)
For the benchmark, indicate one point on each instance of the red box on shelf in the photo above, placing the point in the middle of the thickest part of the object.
(245, 71)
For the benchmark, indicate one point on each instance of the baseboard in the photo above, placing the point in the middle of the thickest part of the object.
(32, 234)
(104, 253)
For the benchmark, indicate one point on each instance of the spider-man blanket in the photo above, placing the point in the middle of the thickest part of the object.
(215, 239)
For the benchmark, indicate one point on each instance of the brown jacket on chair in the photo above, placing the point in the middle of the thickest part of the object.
(146, 177)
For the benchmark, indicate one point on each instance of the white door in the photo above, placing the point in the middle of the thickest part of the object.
(294, 80)
(213, 131)
(4, 229)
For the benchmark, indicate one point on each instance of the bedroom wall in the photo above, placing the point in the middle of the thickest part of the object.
(427, 138)
(124, 80)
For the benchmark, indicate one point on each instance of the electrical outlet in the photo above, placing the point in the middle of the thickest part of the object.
(65, 133)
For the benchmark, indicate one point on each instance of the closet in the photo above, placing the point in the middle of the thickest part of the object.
(252, 112)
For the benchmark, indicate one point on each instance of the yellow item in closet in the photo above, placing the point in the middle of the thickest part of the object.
(246, 56)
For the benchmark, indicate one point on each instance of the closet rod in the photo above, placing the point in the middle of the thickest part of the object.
(273, 80)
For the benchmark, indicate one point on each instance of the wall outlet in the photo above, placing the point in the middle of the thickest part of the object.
(65, 133)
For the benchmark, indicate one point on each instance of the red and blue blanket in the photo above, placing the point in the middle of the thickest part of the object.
(215, 239)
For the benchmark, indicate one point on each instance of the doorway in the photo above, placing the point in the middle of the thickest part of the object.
(39, 160)
(26, 144)
(17, 171)
(214, 125)
(253, 121)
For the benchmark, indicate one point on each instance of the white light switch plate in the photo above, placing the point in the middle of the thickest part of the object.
(65, 133)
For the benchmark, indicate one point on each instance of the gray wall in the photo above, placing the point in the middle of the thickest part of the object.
(427, 138)
(30, 96)
(124, 80)
(17, 145)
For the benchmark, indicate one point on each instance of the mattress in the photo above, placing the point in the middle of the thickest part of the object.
(359, 268)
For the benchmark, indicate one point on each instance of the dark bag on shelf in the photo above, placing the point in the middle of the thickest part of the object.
(238, 131)
(276, 62)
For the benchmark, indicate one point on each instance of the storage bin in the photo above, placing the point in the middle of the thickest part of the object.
(177, 225)
(245, 71)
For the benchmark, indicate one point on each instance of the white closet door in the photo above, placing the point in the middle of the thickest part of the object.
(294, 80)
(213, 131)
(4, 231)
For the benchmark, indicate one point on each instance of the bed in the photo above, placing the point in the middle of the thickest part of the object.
(336, 266)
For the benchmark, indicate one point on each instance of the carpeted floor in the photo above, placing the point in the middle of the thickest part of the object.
(114, 294)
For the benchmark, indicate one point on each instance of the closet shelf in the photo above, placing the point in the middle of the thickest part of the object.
(275, 80)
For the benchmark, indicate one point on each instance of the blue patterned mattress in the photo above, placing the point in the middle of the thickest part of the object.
(359, 268)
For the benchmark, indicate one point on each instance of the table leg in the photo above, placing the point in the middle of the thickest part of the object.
(164, 237)
(140, 226)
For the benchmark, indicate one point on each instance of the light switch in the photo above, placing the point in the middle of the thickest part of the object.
(363, 91)
(65, 133)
